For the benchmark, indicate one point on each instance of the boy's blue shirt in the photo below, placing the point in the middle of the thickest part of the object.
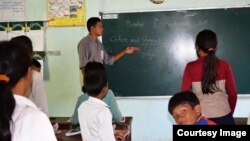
(109, 99)
(204, 121)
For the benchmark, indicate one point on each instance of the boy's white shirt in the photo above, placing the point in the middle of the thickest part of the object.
(95, 121)
(38, 94)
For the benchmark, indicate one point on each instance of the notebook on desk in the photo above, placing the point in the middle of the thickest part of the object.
(123, 120)
(74, 131)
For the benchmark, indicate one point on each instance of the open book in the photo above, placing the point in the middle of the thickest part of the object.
(73, 131)
(123, 120)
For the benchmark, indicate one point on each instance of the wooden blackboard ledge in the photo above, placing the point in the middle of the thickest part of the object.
(243, 95)
(144, 97)
(240, 96)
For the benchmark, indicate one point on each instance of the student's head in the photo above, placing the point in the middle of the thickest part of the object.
(15, 77)
(185, 108)
(206, 41)
(94, 26)
(24, 40)
(95, 80)
(36, 65)
(206, 45)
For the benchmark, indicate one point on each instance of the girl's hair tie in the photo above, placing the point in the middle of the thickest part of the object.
(4, 78)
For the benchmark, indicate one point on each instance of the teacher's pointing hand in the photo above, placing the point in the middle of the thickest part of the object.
(131, 50)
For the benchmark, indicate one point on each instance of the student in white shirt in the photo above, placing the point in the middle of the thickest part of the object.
(94, 115)
(38, 93)
(20, 119)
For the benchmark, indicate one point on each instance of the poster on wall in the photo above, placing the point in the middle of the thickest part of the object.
(16, 29)
(12, 10)
(66, 12)
(4, 29)
(35, 31)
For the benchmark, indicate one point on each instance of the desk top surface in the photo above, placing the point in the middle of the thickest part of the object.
(63, 121)
(71, 138)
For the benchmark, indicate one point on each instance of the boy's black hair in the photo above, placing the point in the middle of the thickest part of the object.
(95, 78)
(94, 66)
(92, 22)
(24, 40)
(186, 97)
(36, 63)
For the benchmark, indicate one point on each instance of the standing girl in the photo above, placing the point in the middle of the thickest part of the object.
(20, 119)
(212, 80)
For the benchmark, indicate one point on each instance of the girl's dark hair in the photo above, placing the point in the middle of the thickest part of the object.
(95, 78)
(92, 22)
(206, 40)
(14, 63)
(186, 97)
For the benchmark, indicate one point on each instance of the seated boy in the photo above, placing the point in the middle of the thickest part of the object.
(94, 115)
(186, 110)
(109, 99)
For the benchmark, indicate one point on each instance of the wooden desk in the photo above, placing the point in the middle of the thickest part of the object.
(124, 127)
(71, 138)
(65, 126)
(63, 122)
(240, 120)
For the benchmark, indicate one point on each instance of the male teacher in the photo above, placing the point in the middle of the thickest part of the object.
(91, 49)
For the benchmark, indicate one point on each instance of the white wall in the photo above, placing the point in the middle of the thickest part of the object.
(151, 119)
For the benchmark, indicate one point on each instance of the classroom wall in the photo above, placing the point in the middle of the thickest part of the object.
(151, 119)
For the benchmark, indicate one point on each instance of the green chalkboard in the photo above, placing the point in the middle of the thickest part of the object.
(166, 41)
